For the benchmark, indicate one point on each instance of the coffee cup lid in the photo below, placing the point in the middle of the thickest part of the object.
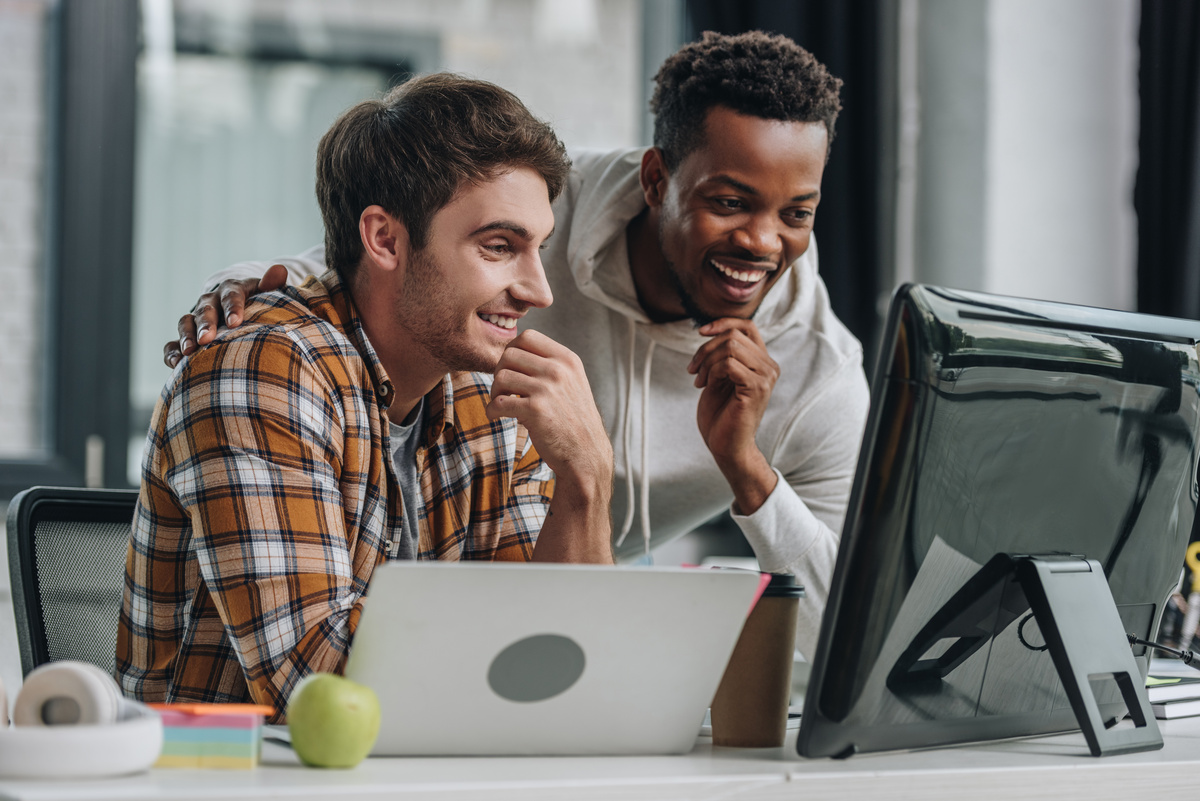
(783, 585)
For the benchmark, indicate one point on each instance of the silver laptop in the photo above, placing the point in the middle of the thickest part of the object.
(491, 659)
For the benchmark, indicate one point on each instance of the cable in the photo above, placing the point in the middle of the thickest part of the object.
(1185, 656)
(1021, 635)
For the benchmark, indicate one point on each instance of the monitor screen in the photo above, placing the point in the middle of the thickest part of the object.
(1000, 426)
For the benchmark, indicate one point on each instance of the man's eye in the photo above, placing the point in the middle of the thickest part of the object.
(729, 203)
(498, 248)
(798, 215)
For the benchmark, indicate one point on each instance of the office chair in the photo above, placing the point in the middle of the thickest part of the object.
(66, 559)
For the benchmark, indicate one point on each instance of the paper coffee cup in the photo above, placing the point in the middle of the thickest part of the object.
(751, 705)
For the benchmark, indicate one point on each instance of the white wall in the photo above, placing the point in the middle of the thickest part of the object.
(577, 63)
(22, 122)
(22, 290)
(1027, 148)
(1062, 150)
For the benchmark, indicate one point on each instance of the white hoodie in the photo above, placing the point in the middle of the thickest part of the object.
(810, 432)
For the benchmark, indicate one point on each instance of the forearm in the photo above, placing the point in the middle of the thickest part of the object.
(752, 480)
(578, 525)
(323, 649)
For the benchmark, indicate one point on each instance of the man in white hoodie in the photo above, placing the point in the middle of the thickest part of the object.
(685, 278)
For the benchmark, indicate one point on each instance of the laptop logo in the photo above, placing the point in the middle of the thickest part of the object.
(536, 668)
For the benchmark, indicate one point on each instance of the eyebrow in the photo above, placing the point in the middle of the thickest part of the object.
(508, 225)
(749, 190)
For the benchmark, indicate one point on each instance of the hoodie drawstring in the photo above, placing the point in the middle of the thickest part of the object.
(645, 487)
(626, 439)
(644, 483)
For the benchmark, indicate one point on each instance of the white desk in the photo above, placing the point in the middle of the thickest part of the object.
(1051, 767)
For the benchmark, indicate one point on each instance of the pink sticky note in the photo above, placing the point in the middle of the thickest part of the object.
(763, 580)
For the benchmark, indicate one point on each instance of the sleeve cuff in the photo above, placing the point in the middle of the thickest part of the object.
(782, 530)
(788, 538)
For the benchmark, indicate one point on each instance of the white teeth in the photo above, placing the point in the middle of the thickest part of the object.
(503, 322)
(749, 277)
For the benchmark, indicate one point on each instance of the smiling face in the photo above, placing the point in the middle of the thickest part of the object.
(480, 271)
(733, 216)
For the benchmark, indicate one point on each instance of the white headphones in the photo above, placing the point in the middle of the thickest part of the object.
(75, 708)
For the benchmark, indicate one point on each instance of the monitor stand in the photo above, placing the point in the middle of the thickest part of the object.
(1070, 599)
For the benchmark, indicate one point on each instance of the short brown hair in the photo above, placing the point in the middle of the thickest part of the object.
(411, 151)
(754, 73)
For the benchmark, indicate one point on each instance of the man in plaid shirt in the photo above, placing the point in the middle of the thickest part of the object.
(356, 418)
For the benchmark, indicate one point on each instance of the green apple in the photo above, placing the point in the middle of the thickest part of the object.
(333, 721)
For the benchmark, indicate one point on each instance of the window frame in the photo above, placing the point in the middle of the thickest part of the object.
(90, 122)
(92, 50)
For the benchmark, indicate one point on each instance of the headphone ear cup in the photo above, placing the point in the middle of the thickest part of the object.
(67, 692)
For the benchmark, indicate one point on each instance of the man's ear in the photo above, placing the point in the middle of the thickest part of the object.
(384, 238)
(654, 177)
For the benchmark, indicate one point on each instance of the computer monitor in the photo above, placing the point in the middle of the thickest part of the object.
(1000, 426)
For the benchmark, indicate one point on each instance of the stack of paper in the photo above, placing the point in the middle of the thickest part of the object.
(211, 735)
(1173, 696)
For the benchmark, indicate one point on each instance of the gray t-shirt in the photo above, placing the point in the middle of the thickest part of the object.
(404, 440)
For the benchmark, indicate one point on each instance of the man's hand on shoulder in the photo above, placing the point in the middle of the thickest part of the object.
(543, 386)
(737, 376)
(223, 306)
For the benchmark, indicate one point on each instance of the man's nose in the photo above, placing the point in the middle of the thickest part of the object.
(531, 286)
(759, 236)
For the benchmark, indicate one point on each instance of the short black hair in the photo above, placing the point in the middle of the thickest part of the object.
(753, 73)
(411, 152)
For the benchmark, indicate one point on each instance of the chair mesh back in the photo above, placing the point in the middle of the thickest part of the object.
(80, 573)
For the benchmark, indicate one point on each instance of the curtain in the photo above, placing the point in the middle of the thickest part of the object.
(1167, 192)
(844, 36)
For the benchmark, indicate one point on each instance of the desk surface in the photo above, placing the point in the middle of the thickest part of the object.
(1049, 767)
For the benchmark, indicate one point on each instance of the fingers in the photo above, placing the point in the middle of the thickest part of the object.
(536, 354)
(733, 346)
(721, 331)
(515, 359)
(525, 382)
(725, 324)
(204, 321)
(274, 278)
(537, 343)
(186, 328)
(224, 306)
(514, 406)
(515, 382)
(543, 385)
(233, 296)
(735, 372)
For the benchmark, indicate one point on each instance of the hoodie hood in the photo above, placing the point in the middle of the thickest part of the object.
(606, 202)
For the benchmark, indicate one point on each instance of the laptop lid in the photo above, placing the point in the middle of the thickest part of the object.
(496, 658)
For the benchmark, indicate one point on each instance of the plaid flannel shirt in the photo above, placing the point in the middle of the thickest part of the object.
(268, 496)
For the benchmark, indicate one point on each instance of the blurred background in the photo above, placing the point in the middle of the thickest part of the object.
(144, 144)
(1043, 149)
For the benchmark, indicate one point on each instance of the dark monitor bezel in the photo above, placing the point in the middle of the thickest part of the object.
(821, 736)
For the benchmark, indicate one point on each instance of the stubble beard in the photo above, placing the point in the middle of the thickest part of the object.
(692, 309)
(427, 312)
